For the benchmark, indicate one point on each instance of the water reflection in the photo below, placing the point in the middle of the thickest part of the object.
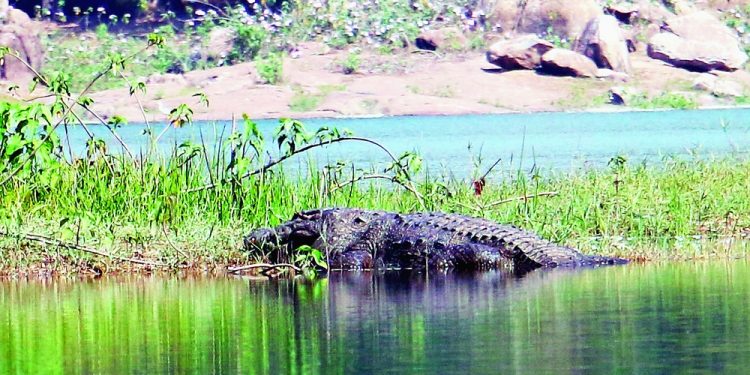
(652, 318)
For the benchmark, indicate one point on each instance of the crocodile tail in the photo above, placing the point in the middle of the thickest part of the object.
(533, 252)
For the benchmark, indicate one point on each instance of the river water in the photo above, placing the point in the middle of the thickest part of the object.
(550, 141)
(652, 318)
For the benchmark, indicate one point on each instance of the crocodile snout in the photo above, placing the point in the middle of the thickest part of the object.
(261, 239)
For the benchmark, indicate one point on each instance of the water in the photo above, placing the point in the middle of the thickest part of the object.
(653, 318)
(550, 141)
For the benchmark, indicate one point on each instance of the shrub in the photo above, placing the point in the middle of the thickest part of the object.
(270, 68)
(248, 42)
(351, 63)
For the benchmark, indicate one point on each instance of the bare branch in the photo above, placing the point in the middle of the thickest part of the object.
(264, 266)
(45, 240)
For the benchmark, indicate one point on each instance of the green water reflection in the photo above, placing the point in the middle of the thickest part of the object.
(638, 318)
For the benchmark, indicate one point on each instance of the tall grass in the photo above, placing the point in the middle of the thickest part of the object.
(157, 208)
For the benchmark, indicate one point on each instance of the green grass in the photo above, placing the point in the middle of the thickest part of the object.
(304, 101)
(667, 100)
(147, 210)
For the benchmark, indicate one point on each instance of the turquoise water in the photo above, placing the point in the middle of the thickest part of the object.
(550, 141)
(653, 318)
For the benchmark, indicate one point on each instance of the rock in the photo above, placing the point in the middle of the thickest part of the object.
(621, 95)
(718, 87)
(695, 55)
(612, 75)
(565, 18)
(166, 78)
(651, 12)
(220, 43)
(449, 38)
(624, 12)
(618, 96)
(21, 19)
(705, 82)
(682, 7)
(703, 27)
(523, 52)
(21, 34)
(603, 41)
(698, 41)
(564, 62)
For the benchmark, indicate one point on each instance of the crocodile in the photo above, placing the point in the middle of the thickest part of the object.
(364, 239)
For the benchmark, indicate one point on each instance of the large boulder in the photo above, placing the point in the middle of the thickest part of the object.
(603, 41)
(702, 27)
(21, 34)
(698, 41)
(523, 52)
(449, 38)
(692, 55)
(564, 17)
(565, 62)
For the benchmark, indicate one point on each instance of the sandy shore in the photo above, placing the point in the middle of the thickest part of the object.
(403, 84)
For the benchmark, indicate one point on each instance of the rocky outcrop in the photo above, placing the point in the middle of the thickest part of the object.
(21, 34)
(564, 62)
(603, 42)
(523, 52)
(449, 38)
(699, 42)
(566, 18)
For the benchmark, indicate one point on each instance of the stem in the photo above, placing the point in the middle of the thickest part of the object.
(265, 266)
(138, 100)
(273, 163)
(522, 198)
(54, 242)
(68, 108)
(111, 130)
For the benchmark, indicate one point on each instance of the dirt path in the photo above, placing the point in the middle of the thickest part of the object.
(404, 84)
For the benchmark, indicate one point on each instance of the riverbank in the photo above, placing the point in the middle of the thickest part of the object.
(405, 84)
(433, 61)
(684, 210)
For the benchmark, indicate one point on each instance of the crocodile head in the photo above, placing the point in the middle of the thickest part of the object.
(263, 239)
(303, 229)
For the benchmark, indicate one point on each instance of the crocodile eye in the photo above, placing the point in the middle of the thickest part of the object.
(358, 220)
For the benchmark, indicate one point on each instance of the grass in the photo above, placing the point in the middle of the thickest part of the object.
(146, 210)
(304, 101)
(585, 95)
(670, 100)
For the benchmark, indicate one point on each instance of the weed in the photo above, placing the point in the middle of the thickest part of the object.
(664, 100)
(270, 68)
(303, 102)
(351, 63)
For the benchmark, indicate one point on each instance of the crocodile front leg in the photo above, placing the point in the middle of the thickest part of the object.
(351, 260)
